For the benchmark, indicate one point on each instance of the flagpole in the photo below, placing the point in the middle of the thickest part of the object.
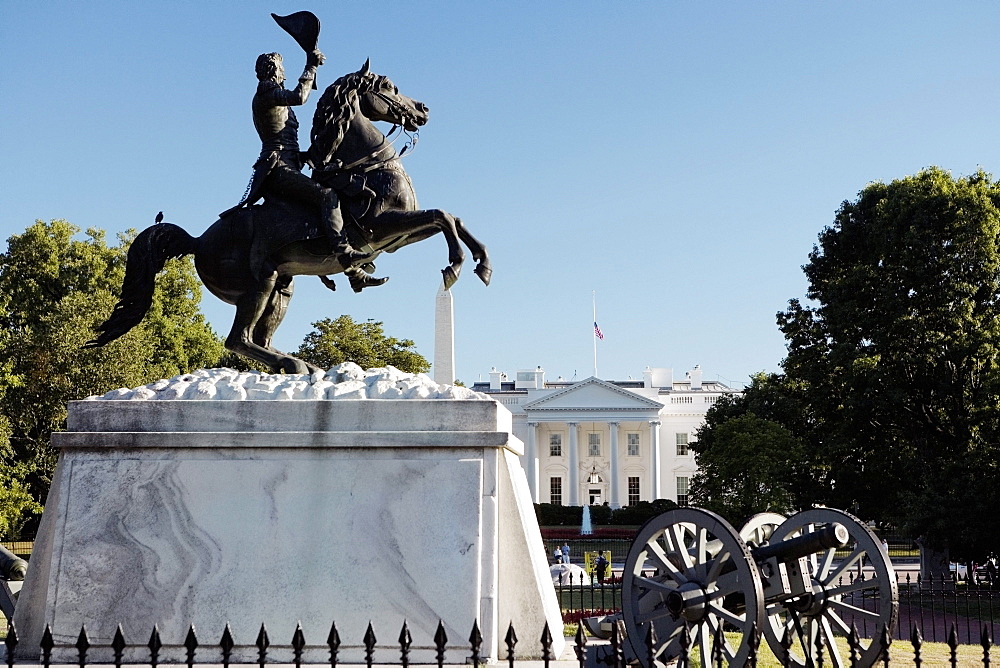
(593, 334)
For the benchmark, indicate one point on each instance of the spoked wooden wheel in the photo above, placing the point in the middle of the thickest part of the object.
(690, 566)
(854, 585)
(759, 528)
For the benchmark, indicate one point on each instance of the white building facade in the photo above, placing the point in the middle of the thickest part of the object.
(593, 441)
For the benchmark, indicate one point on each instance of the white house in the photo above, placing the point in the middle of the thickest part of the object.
(594, 441)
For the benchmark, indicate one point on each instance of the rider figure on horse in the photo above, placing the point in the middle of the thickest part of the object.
(278, 170)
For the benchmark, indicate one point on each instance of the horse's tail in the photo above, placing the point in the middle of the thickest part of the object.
(146, 257)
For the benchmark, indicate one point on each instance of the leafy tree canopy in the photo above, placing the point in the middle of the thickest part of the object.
(333, 342)
(55, 287)
(17, 505)
(747, 469)
(897, 353)
(751, 453)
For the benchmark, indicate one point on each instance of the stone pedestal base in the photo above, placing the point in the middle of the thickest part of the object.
(198, 512)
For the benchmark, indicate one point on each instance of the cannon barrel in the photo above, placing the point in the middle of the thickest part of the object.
(834, 535)
(12, 567)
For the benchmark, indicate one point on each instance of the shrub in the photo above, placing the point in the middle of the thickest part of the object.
(572, 516)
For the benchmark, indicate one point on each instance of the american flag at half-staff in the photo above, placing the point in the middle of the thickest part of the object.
(597, 334)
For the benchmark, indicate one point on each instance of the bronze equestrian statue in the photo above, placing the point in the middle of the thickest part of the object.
(250, 255)
(278, 169)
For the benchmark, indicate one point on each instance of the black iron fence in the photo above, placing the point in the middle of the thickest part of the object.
(935, 605)
(939, 605)
(578, 598)
(693, 653)
(156, 652)
(613, 654)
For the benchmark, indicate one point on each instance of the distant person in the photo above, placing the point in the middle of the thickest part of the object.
(557, 557)
(601, 566)
(565, 553)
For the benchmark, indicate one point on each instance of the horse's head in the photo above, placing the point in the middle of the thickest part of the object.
(382, 101)
(372, 96)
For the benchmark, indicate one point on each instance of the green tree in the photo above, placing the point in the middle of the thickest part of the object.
(752, 452)
(364, 343)
(17, 505)
(748, 467)
(897, 354)
(56, 288)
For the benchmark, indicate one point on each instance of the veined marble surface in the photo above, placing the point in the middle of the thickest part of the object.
(207, 512)
(277, 541)
(346, 381)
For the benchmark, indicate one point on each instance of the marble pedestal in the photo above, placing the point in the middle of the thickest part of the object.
(204, 512)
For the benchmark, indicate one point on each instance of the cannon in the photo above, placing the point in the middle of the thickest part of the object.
(12, 567)
(800, 582)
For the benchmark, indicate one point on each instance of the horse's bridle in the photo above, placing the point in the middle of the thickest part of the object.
(395, 107)
(401, 112)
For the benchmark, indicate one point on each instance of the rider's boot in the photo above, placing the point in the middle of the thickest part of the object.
(360, 279)
(342, 248)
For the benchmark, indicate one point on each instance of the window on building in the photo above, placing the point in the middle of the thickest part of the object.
(633, 490)
(682, 491)
(682, 444)
(594, 444)
(555, 491)
(555, 445)
(633, 444)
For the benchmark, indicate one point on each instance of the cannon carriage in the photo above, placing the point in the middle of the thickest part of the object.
(800, 582)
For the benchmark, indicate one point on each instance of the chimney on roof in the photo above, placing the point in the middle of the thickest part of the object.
(496, 377)
(695, 376)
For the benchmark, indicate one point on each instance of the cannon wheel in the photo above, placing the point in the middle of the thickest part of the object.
(758, 529)
(840, 597)
(690, 565)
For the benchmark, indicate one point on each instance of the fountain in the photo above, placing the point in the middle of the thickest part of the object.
(586, 527)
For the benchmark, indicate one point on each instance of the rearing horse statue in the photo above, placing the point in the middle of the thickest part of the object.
(249, 256)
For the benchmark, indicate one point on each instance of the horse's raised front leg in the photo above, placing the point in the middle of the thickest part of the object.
(483, 269)
(400, 223)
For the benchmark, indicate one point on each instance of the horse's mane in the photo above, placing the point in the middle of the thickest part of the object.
(334, 112)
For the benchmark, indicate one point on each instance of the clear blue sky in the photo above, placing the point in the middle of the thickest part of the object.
(678, 158)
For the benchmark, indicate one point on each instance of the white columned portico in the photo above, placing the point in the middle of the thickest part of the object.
(654, 439)
(532, 452)
(574, 467)
(615, 493)
(613, 414)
